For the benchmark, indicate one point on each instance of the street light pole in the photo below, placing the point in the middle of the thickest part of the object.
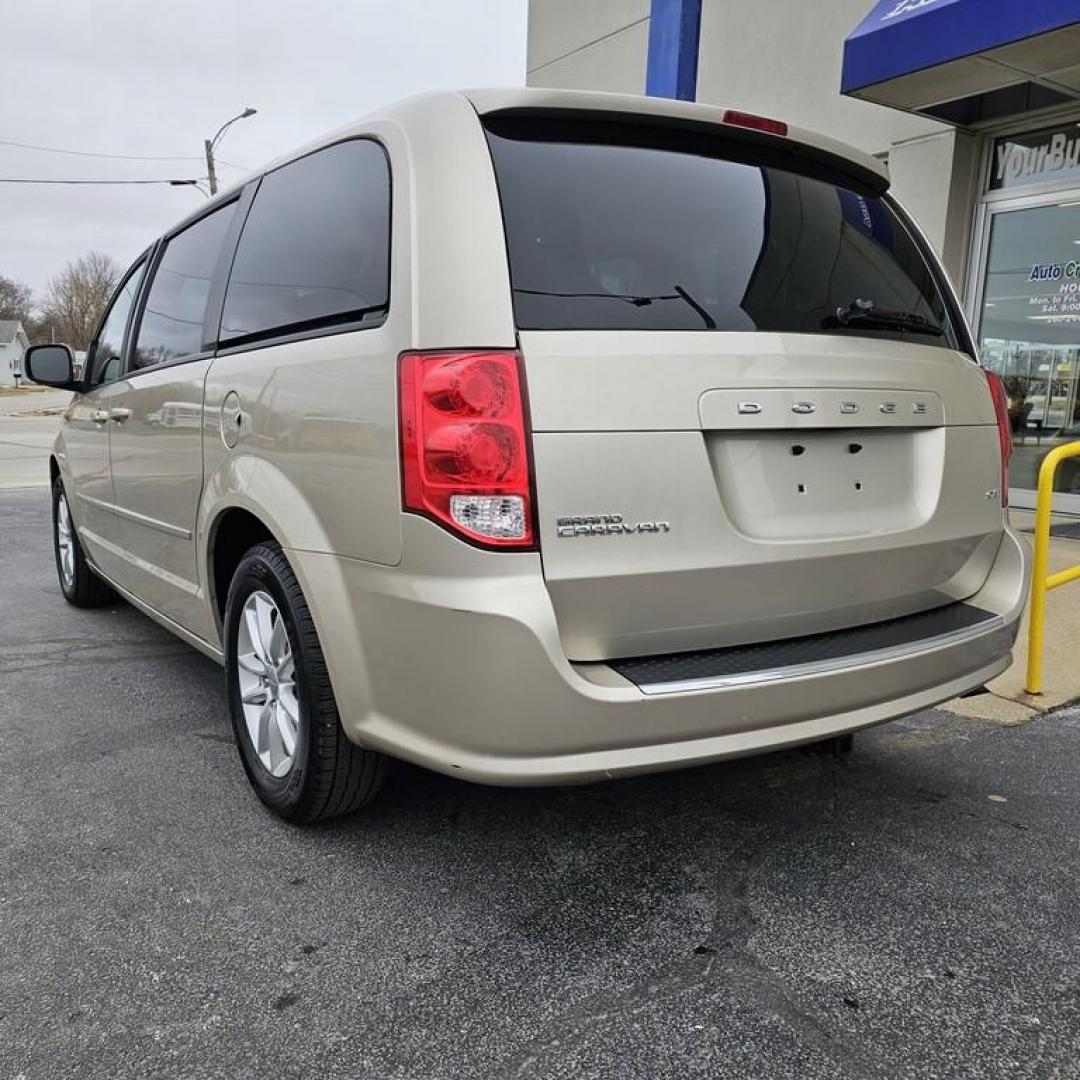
(211, 175)
(210, 144)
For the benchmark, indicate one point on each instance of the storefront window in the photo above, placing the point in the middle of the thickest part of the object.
(1030, 332)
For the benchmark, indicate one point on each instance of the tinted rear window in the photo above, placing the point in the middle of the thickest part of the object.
(619, 227)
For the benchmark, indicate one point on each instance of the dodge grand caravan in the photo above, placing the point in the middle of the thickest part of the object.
(541, 436)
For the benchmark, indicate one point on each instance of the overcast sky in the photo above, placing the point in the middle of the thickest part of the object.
(156, 77)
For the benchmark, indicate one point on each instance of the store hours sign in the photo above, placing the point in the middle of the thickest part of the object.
(1054, 291)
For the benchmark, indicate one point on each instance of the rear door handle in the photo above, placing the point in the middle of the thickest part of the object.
(99, 416)
(119, 415)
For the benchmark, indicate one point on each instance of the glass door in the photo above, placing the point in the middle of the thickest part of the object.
(1029, 332)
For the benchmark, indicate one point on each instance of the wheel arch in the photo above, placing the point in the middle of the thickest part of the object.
(246, 501)
(232, 533)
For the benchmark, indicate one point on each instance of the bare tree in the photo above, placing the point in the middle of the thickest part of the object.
(41, 330)
(77, 296)
(16, 300)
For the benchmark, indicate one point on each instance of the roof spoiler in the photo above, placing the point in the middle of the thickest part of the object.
(700, 135)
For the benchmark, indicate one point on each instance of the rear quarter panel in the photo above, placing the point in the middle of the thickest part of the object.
(316, 456)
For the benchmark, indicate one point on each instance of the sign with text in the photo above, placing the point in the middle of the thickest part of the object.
(1054, 291)
(1036, 158)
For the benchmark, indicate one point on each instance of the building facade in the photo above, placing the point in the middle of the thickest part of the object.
(973, 104)
(13, 343)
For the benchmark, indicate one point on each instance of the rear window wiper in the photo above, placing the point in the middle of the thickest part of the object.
(629, 298)
(866, 314)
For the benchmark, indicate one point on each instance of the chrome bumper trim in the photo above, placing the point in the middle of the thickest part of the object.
(826, 667)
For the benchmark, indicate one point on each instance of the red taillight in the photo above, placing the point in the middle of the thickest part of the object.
(465, 444)
(1001, 410)
(755, 123)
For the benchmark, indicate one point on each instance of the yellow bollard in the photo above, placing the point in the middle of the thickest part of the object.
(1040, 581)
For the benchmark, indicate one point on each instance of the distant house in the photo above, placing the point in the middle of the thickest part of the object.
(13, 343)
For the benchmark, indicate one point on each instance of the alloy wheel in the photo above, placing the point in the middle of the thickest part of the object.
(267, 675)
(65, 543)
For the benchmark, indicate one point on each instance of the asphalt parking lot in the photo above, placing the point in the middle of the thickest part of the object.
(908, 911)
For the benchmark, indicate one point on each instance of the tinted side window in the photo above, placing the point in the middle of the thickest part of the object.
(315, 249)
(172, 319)
(105, 361)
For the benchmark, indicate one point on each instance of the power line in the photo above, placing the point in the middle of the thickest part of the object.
(28, 180)
(114, 157)
(88, 153)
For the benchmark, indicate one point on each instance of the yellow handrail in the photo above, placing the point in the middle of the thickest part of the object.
(1041, 583)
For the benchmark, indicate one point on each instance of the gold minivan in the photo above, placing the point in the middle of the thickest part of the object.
(538, 436)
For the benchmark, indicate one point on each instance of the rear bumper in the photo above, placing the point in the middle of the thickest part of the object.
(466, 674)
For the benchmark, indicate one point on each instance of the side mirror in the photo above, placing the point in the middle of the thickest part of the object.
(50, 365)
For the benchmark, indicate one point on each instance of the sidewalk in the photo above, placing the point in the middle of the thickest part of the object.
(29, 421)
(1007, 702)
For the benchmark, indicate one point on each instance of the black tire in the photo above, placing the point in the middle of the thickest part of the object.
(329, 774)
(84, 588)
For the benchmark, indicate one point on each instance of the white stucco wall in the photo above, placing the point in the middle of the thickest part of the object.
(777, 57)
(588, 44)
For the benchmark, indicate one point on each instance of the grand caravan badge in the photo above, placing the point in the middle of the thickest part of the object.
(607, 525)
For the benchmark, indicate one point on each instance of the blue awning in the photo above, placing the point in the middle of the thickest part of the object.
(951, 49)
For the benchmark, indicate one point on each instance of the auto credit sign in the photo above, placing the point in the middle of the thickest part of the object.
(1036, 158)
(1054, 291)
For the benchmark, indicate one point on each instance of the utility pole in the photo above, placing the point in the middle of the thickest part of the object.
(211, 175)
(209, 144)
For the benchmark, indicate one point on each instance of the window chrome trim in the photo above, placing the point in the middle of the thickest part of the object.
(286, 338)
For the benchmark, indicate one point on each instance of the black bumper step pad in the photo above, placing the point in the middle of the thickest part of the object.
(815, 649)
